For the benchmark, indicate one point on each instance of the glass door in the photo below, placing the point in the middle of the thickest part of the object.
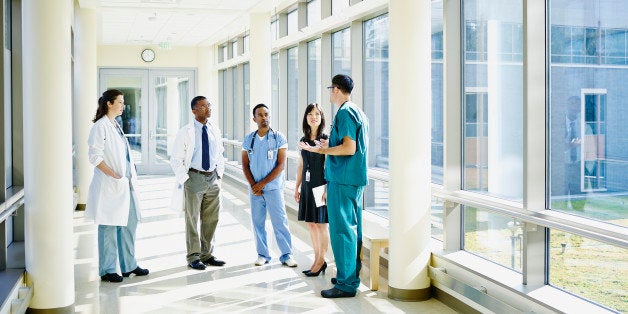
(171, 93)
(156, 106)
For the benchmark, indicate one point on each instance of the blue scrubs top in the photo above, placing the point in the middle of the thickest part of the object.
(259, 162)
(350, 170)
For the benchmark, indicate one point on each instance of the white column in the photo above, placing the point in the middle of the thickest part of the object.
(410, 161)
(172, 108)
(48, 152)
(260, 61)
(85, 94)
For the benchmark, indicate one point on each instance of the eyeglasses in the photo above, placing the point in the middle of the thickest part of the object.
(331, 87)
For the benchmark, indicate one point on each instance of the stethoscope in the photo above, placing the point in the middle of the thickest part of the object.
(255, 135)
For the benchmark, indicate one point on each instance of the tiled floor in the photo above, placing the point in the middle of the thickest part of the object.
(239, 286)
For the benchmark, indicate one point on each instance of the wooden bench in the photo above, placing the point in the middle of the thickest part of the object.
(374, 238)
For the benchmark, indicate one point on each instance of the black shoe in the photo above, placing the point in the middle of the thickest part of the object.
(137, 271)
(336, 293)
(334, 280)
(111, 277)
(197, 265)
(306, 271)
(213, 262)
(315, 274)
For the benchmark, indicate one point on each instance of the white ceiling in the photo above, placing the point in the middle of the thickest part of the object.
(176, 22)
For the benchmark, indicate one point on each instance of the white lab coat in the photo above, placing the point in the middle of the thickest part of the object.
(181, 158)
(108, 199)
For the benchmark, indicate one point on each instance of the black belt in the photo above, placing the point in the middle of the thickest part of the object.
(205, 173)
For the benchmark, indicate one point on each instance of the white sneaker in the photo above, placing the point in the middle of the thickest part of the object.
(290, 263)
(260, 261)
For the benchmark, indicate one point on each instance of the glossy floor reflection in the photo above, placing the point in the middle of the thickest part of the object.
(239, 286)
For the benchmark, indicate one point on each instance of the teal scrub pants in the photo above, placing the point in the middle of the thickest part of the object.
(117, 243)
(344, 208)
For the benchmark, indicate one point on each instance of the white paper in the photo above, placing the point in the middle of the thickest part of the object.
(318, 195)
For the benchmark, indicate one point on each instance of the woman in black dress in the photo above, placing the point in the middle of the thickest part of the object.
(310, 174)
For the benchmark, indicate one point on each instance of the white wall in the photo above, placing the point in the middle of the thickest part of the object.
(129, 56)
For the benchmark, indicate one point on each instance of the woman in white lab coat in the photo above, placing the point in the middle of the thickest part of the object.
(111, 200)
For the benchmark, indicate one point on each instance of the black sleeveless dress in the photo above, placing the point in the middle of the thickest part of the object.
(315, 163)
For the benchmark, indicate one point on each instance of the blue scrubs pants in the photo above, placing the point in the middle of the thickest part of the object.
(344, 208)
(270, 202)
(117, 242)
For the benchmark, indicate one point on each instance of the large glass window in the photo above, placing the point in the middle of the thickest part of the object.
(340, 56)
(274, 29)
(588, 110)
(274, 94)
(313, 12)
(437, 91)
(234, 48)
(376, 88)
(238, 114)
(246, 74)
(494, 237)
(293, 22)
(493, 102)
(338, 5)
(293, 113)
(314, 71)
(245, 43)
(341, 52)
(594, 270)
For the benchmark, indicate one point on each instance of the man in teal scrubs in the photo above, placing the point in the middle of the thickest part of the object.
(345, 172)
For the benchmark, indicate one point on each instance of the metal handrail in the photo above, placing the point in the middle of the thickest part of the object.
(597, 230)
(12, 203)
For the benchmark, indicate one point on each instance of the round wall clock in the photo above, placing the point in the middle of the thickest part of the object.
(148, 55)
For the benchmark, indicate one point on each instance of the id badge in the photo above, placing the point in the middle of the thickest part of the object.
(270, 154)
(307, 176)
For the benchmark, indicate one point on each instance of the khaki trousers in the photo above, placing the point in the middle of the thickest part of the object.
(202, 201)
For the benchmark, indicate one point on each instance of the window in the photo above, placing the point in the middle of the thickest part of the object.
(494, 237)
(222, 80)
(313, 8)
(274, 29)
(341, 52)
(245, 43)
(246, 82)
(493, 101)
(572, 259)
(588, 108)
(237, 106)
(293, 98)
(340, 57)
(437, 92)
(293, 123)
(476, 141)
(224, 54)
(293, 22)
(376, 88)
(234, 49)
(274, 71)
(338, 6)
(314, 71)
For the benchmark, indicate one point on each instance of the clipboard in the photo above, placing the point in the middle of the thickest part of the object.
(318, 195)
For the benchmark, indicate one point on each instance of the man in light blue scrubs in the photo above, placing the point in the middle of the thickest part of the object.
(346, 175)
(263, 162)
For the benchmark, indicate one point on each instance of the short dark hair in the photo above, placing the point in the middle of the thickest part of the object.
(195, 100)
(343, 82)
(259, 106)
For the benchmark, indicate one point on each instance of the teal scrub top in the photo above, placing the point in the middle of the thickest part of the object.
(259, 162)
(350, 170)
